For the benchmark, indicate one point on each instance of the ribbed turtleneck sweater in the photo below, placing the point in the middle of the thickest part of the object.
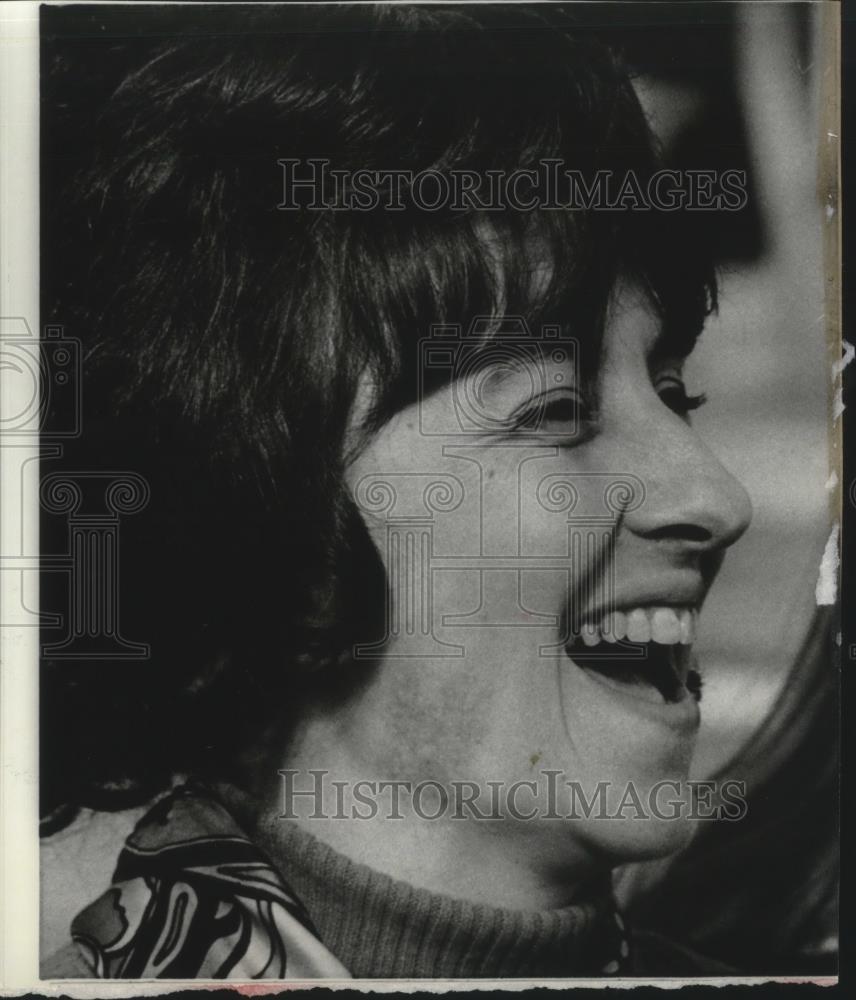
(382, 928)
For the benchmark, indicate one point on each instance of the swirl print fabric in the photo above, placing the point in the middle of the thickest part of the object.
(193, 898)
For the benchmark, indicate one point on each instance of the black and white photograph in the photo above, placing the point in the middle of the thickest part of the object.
(434, 471)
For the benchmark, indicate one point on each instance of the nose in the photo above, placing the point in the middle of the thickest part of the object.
(691, 499)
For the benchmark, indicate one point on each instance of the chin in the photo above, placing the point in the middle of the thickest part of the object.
(649, 840)
(663, 825)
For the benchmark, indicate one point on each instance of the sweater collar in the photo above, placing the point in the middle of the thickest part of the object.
(382, 928)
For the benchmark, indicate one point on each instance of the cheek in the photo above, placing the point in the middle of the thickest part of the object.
(452, 718)
(566, 534)
(494, 537)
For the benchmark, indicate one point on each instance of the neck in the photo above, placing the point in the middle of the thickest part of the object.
(459, 854)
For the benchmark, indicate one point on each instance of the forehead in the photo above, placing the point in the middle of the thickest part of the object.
(632, 323)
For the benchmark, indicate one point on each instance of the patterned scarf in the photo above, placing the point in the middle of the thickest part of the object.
(192, 898)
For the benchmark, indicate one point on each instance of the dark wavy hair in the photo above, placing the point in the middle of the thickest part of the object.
(224, 339)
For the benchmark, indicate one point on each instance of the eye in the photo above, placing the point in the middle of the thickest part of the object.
(563, 415)
(674, 394)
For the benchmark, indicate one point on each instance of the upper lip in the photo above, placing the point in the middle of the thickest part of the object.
(686, 595)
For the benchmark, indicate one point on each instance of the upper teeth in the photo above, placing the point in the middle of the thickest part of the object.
(668, 626)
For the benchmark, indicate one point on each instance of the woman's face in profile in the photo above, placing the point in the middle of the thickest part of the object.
(494, 572)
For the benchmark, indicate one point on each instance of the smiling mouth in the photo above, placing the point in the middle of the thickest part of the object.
(646, 653)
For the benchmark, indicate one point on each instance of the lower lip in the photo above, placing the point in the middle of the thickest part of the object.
(682, 716)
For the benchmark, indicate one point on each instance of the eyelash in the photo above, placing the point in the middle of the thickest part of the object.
(675, 396)
(563, 409)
